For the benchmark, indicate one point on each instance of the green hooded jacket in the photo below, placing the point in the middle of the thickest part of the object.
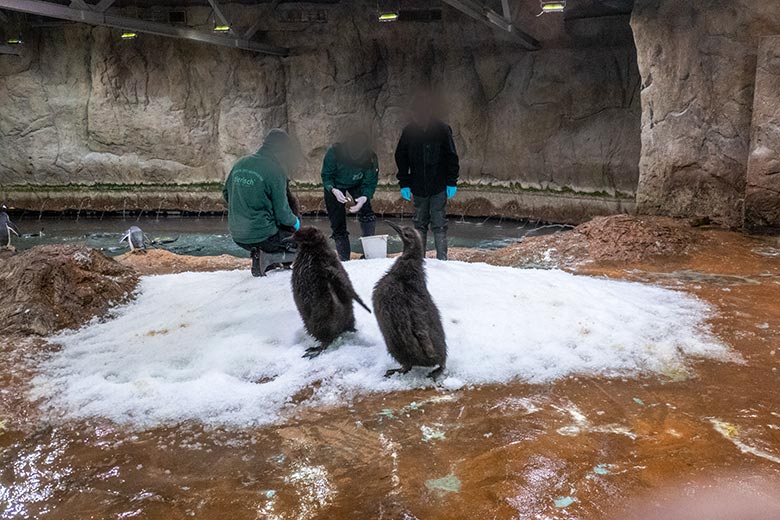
(341, 173)
(256, 194)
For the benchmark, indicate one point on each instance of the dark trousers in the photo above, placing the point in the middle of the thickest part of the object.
(337, 213)
(273, 244)
(432, 211)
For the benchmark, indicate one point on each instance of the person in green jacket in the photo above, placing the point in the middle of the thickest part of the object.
(350, 168)
(260, 218)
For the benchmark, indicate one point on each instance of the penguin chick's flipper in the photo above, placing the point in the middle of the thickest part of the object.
(402, 370)
(424, 340)
(343, 286)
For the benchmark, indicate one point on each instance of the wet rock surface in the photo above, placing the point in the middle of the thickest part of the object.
(50, 288)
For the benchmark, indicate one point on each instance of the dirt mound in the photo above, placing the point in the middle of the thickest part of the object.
(159, 261)
(49, 288)
(616, 238)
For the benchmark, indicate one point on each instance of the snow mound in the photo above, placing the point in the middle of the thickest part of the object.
(225, 349)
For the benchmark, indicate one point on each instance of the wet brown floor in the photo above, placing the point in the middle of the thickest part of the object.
(579, 448)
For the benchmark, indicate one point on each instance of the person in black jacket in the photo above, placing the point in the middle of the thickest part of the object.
(428, 170)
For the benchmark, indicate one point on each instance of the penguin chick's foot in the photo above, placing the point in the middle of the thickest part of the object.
(313, 352)
(436, 372)
(401, 370)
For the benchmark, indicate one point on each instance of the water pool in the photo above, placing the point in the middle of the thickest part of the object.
(208, 235)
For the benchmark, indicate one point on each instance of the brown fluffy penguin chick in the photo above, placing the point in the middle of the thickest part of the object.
(409, 320)
(322, 290)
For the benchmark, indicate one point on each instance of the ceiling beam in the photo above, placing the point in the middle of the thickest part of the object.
(506, 10)
(486, 15)
(62, 12)
(103, 6)
(10, 49)
(218, 14)
(256, 26)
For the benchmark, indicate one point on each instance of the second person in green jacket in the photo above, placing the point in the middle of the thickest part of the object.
(350, 168)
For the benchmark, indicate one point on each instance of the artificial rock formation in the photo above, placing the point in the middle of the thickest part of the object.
(698, 66)
(762, 198)
(81, 106)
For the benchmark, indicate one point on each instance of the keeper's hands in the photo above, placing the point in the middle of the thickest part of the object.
(339, 195)
(358, 204)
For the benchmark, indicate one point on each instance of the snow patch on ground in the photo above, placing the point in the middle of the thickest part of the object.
(224, 348)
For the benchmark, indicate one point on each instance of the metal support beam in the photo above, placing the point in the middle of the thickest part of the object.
(256, 26)
(218, 13)
(62, 12)
(486, 15)
(103, 5)
(10, 49)
(506, 10)
(253, 30)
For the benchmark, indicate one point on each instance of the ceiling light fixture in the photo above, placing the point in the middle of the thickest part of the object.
(388, 17)
(388, 11)
(552, 6)
(221, 28)
(129, 35)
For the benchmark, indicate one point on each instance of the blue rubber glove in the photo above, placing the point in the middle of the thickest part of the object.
(406, 193)
(297, 225)
(451, 191)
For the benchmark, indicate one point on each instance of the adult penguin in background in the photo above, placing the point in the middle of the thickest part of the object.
(6, 228)
(135, 238)
(322, 290)
(409, 320)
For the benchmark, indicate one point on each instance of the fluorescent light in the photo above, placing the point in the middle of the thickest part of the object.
(14, 41)
(388, 17)
(221, 28)
(129, 35)
(553, 7)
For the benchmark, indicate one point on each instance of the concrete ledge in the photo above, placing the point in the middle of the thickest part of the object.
(482, 201)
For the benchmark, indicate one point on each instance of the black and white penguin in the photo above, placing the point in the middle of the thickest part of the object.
(409, 320)
(322, 290)
(7, 228)
(135, 238)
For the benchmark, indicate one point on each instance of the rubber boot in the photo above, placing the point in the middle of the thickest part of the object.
(440, 239)
(343, 248)
(258, 268)
(424, 235)
(368, 229)
(280, 260)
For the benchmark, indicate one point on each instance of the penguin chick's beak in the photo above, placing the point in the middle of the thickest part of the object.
(394, 226)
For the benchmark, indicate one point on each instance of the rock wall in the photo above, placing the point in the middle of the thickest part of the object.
(697, 60)
(81, 106)
(762, 197)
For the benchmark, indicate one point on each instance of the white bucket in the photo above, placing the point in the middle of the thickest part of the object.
(374, 246)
